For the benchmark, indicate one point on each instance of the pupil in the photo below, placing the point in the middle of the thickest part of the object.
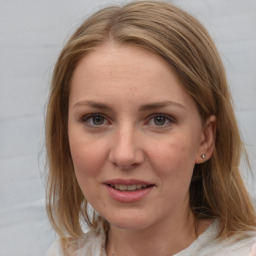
(98, 120)
(159, 120)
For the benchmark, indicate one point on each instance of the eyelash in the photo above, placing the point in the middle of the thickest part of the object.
(88, 119)
(166, 118)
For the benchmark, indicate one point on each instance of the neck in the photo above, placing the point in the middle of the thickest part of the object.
(162, 239)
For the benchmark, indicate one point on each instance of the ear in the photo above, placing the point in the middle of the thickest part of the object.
(207, 142)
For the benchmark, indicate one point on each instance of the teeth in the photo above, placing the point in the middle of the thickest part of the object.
(132, 187)
(139, 186)
(123, 187)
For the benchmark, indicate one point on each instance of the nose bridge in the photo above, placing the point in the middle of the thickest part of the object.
(125, 151)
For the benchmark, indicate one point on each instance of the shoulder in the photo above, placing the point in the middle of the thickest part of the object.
(240, 244)
(244, 246)
(55, 249)
(236, 246)
(91, 243)
(253, 250)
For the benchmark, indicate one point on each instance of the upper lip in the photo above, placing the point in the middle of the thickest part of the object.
(126, 182)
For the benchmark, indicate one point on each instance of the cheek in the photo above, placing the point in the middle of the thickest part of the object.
(88, 161)
(88, 156)
(174, 157)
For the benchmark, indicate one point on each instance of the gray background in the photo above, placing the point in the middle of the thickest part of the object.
(31, 35)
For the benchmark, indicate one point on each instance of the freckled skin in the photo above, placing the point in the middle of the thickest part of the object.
(127, 145)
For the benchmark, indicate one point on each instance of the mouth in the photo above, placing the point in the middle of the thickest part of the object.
(129, 188)
(128, 191)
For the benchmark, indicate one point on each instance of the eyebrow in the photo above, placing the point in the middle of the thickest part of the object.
(92, 104)
(145, 107)
(162, 104)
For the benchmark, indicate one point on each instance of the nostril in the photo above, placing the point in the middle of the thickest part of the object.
(126, 158)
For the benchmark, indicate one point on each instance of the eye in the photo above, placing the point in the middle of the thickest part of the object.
(160, 120)
(95, 119)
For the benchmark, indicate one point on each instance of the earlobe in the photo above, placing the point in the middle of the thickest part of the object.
(207, 143)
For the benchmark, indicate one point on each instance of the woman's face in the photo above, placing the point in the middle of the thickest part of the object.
(135, 136)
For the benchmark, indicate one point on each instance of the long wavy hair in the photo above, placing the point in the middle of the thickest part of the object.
(216, 190)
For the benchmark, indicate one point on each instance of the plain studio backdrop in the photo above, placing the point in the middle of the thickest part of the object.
(32, 33)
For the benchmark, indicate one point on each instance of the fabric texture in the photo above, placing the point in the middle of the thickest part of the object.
(92, 244)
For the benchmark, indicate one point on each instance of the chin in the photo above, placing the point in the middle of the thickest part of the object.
(129, 221)
(129, 226)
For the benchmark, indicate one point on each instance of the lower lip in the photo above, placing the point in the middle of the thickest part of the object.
(128, 196)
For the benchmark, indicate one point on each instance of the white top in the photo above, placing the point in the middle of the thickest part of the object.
(206, 245)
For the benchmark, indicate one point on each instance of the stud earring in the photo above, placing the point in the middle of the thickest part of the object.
(203, 156)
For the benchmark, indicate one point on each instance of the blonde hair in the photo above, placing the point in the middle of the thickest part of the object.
(217, 190)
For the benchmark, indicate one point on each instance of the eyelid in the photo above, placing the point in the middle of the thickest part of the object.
(86, 117)
(168, 117)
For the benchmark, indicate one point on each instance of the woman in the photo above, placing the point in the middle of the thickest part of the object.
(140, 126)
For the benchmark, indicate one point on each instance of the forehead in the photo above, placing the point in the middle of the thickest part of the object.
(119, 61)
(126, 70)
(122, 57)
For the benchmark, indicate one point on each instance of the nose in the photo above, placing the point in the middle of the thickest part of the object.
(126, 152)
